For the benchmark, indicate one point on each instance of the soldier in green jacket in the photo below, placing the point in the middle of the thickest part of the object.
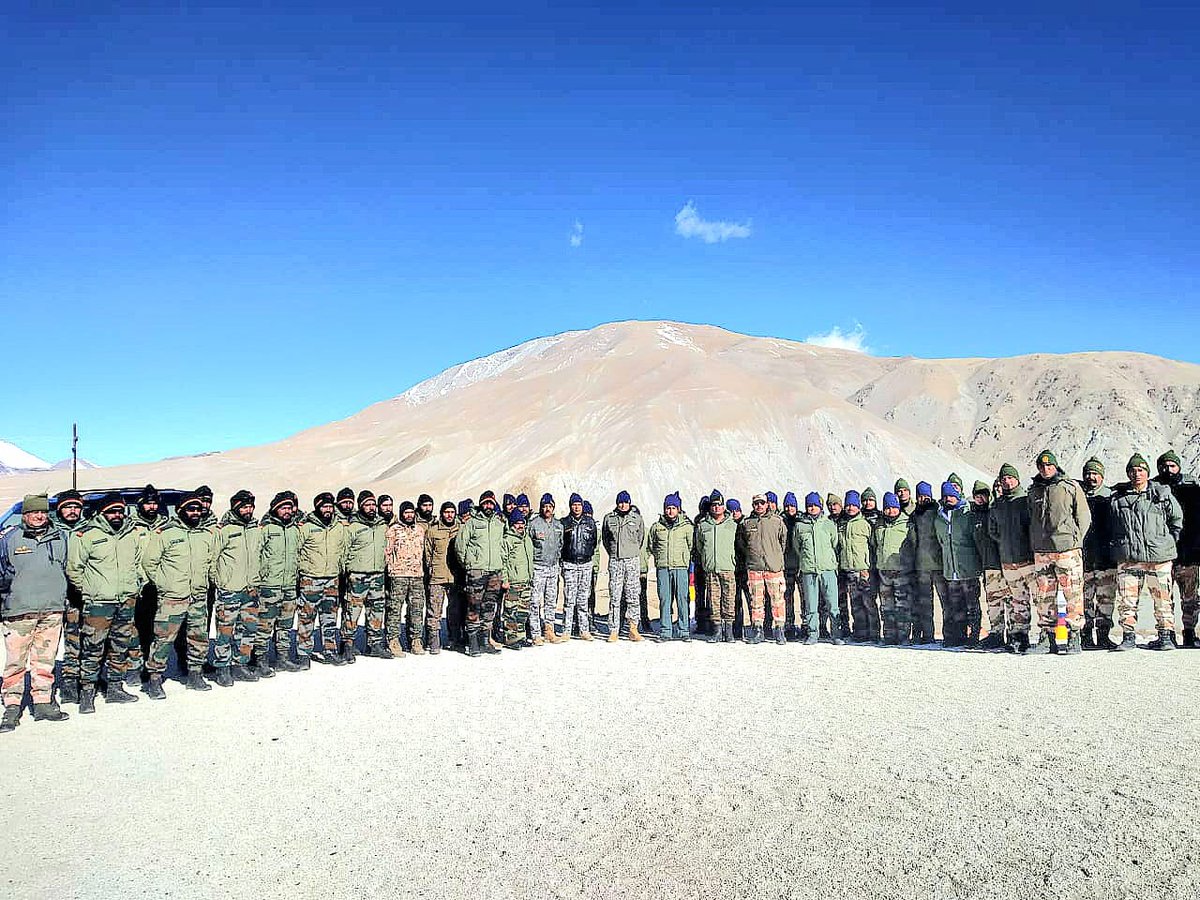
(1008, 526)
(670, 541)
(68, 517)
(321, 559)
(518, 580)
(955, 530)
(893, 547)
(279, 575)
(365, 564)
(854, 562)
(716, 540)
(903, 494)
(816, 535)
(929, 565)
(178, 558)
(147, 517)
(104, 560)
(995, 588)
(479, 545)
(237, 566)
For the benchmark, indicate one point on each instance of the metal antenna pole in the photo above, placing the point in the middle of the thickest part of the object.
(74, 456)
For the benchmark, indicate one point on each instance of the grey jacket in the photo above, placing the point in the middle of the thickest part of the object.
(33, 572)
(547, 540)
(623, 535)
(1145, 524)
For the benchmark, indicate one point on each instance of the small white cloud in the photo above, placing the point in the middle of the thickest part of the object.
(855, 340)
(689, 224)
(576, 235)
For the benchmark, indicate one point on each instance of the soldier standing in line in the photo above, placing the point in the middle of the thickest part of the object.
(623, 533)
(405, 554)
(440, 565)
(1008, 526)
(854, 562)
(817, 538)
(178, 558)
(995, 588)
(366, 562)
(670, 543)
(870, 506)
(33, 594)
(954, 528)
(929, 566)
(903, 494)
(517, 584)
(546, 532)
(716, 540)
(147, 517)
(893, 547)
(791, 566)
(279, 575)
(578, 551)
(68, 517)
(742, 601)
(761, 540)
(479, 545)
(345, 504)
(237, 568)
(1187, 563)
(321, 560)
(1059, 517)
(1146, 524)
(1099, 567)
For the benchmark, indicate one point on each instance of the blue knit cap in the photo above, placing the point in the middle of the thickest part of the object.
(546, 498)
(516, 516)
(924, 489)
(464, 507)
(733, 505)
(509, 498)
(853, 499)
(890, 501)
(575, 498)
(672, 500)
(623, 497)
(950, 489)
(813, 499)
(522, 499)
(789, 499)
(587, 507)
(772, 497)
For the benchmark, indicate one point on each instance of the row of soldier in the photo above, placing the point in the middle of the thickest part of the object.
(861, 571)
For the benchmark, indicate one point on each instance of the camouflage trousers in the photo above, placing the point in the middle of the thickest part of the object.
(440, 595)
(30, 645)
(1156, 579)
(276, 610)
(922, 604)
(1188, 579)
(576, 578)
(237, 625)
(516, 612)
(1021, 579)
(483, 599)
(107, 623)
(1054, 571)
(318, 603)
(1099, 595)
(820, 588)
(864, 610)
(72, 631)
(543, 599)
(895, 611)
(364, 590)
(960, 612)
(407, 596)
(721, 589)
(623, 585)
(174, 614)
(996, 599)
(765, 588)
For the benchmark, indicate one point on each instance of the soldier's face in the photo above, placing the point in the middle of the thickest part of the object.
(1047, 470)
(385, 508)
(488, 507)
(891, 512)
(245, 511)
(738, 515)
(979, 500)
(325, 511)
(717, 508)
(623, 507)
(548, 511)
(71, 513)
(190, 513)
(35, 520)
(1169, 468)
(409, 516)
(1009, 483)
(852, 510)
(1139, 477)
(148, 508)
(285, 512)
(813, 510)
(671, 512)
(206, 504)
(1093, 480)
(950, 501)
(448, 516)
(835, 509)
(903, 495)
(869, 504)
(346, 506)
(370, 507)
(577, 509)
(519, 527)
(427, 508)
(115, 516)
(791, 509)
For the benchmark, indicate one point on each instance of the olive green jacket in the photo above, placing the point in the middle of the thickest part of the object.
(894, 544)
(105, 565)
(322, 550)
(179, 559)
(279, 565)
(817, 541)
(854, 544)
(238, 555)
(671, 544)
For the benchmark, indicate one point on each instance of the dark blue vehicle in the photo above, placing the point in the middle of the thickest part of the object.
(168, 498)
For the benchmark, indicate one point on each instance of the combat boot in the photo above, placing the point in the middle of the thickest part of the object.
(813, 638)
(1043, 647)
(196, 682)
(396, 648)
(548, 633)
(242, 673)
(777, 633)
(1018, 642)
(115, 693)
(349, 654)
(472, 644)
(154, 689)
(263, 669)
(133, 679)
(49, 712)
(1103, 632)
(687, 634)
(224, 676)
(613, 636)
(1074, 644)
(537, 641)
(417, 647)
(435, 641)
(994, 641)
(1164, 641)
(585, 636)
(87, 700)
(1189, 638)
(1087, 639)
(634, 634)
(68, 691)
(283, 664)
(303, 664)
(489, 644)
(12, 718)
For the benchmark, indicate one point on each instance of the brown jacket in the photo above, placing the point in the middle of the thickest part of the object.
(760, 541)
(440, 561)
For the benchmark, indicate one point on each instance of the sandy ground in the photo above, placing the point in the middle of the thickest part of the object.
(631, 770)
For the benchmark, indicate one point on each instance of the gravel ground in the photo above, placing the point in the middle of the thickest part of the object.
(630, 770)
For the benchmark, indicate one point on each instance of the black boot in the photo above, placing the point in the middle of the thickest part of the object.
(12, 718)
(87, 700)
(241, 673)
(1018, 642)
(133, 679)
(777, 633)
(263, 669)
(196, 682)
(154, 688)
(115, 693)
(1073, 644)
(1103, 632)
(487, 645)
(1164, 641)
(1189, 638)
(303, 664)
(473, 643)
(1128, 642)
(48, 712)
(1043, 647)
(68, 691)
(224, 676)
(1087, 639)
(435, 639)
(994, 641)
(349, 654)
(283, 664)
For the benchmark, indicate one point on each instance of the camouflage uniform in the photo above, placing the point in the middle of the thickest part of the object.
(179, 560)
(1059, 519)
(30, 645)
(405, 554)
(1054, 571)
(1008, 527)
(237, 569)
(73, 615)
(365, 580)
(998, 597)
(1156, 579)
(318, 604)
(1147, 525)
(277, 610)
(277, 593)
(928, 573)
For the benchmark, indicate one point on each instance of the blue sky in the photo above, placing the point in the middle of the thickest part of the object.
(226, 226)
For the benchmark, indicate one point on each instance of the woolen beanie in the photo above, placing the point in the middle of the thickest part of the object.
(1137, 461)
(546, 498)
(279, 499)
(241, 497)
(716, 497)
(1046, 458)
(953, 476)
(733, 505)
(1008, 469)
(831, 499)
(322, 498)
(446, 504)
(900, 485)
(924, 489)
(981, 487)
(772, 497)
(35, 503)
(853, 499)
(868, 494)
(623, 497)
(890, 501)
(672, 500)
(1170, 456)
(575, 498)
(424, 498)
(522, 500)
(587, 507)
(405, 507)
(149, 494)
(73, 497)
(516, 516)
(950, 489)
(1093, 465)
(464, 507)
(487, 495)
(813, 499)
(365, 495)
(345, 494)
(789, 499)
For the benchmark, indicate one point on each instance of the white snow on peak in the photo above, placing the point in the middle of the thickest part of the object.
(469, 373)
(13, 457)
(669, 334)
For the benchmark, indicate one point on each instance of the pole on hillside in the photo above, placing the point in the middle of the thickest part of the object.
(74, 456)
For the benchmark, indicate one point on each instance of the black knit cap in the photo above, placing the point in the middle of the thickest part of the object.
(448, 504)
(406, 506)
(281, 498)
(365, 495)
(424, 498)
(345, 494)
(487, 495)
(384, 497)
(204, 492)
(323, 497)
(68, 497)
(188, 498)
(149, 494)
(241, 497)
(111, 499)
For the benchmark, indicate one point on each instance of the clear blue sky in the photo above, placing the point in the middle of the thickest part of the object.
(223, 227)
